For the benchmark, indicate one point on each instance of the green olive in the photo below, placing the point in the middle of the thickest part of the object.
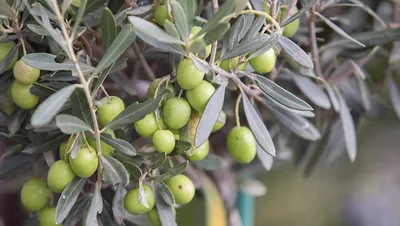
(292, 27)
(176, 113)
(182, 188)
(201, 152)
(22, 96)
(5, 48)
(85, 163)
(164, 141)
(108, 108)
(195, 31)
(59, 176)
(8, 106)
(218, 125)
(161, 14)
(264, 63)
(187, 75)
(241, 144)
(147, 126)
(76, 3)
(133, 206)
(47, 217)
(199, 96)
(35, 194)
(24, 73)
(153, 217)
(105, 148)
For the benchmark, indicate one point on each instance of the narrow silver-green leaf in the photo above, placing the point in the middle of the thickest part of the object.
(173, 171)
(166, 213)
(170, 28)
(50, 107)
(75, 215)
(281, 95)
(210, 116)
(216, 34)
(108, 26)
(212, 162)
(149, 29)
(119, 144)
(12, 166)
(180, 147)
(7, 61)
(70, 124)
(295, 52)
(80, 106)
(47, 144)
(118, 204)
(257, 126)
(165, 192)
(16, 119)
(254, 28)
(299, 13)
(6, 12)
(338, 29)
(312, 91)
(38, 29)
(135, 112)
(68, 198)
(95, 207)
(134, 170)
(274, 39)
(235, 31)
(142, 199)
(266, 159)
(189, 7)
(119, 45)
(114, 172)
(348, 127)
(181, 20)
(249, 46)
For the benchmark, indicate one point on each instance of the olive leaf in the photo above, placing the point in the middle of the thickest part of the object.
(114, 171)
(16, 164)
(95, 207)
(69, 124)
(165, 192)
(68, 198)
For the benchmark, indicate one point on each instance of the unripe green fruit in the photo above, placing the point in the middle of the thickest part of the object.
(76, 3)
(164, 141)
(153, 217)
(105, 148)
(176, 113)
(147, 126)
(292, 27)
(219, 125)
(132, 204)
(66, 147)
(231, 64)
(161, 14)
(153, 86)
(265, 62)
(241, 144)
(85, 163)
(195, 30)
(5, 48)
(182, 188)
(201, 152)
(34, 194)
(24, 73)
(59, 176)
(22, 96)
(199, 96)
(109, 108)
(8, 106)
(187, 75)
(47, 217)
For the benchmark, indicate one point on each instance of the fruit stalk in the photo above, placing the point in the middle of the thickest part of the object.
(84, 84)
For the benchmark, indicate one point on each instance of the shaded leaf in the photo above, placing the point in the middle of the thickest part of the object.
(227, 8)
(119, 45)
(156, 160)
(15, 121)
(6, 12)
(38, 29)
(118, 204)
(47, 144)
(7, 61)
(295, 52)
(255, 28)
(212, 162)
(75, 215)
(149, 29)
(213, 36)
(348, 127)
(299, 13)
(114, 172)
(210, 116)
(140, 10)
(166, 212)
(134, 170)
(80, 107)
(70, 124)
(135, 112)
(180, 147)
(95, 207)
(257, 126)
(14, 165)
(92, 5)
(173, 171)
(170, 28)
(119, 144)
(249, 46)
(123, 83)
(108, 26)
(312, 91)
(165, 192)
(68, 198)
(51, 106)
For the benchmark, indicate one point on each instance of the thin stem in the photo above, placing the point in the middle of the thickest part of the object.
(237, 110)
(143, 60)
(83, 82)
(104, 90)
(272, 8)
(215, 44)
(314, 45)
(269, 17)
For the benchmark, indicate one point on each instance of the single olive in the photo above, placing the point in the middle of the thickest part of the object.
(199, 96)
(35, 194)
(5, 48)
(201, 152)
(85, 163)
(182, 188)
(147, 126)
(264, 63)
(164, 141)
(105, 148)
(219, 124)
(187, 75)
(22, 96)
(291, 28)
(59, 176)
(176, 113)
(195, 31)
(161, 14)
(132, 204)
(108, 108)
(47, 217)
(24, 73)
(241, 144)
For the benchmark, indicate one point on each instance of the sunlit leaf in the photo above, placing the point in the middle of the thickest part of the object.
(114, 172)
(70, 124)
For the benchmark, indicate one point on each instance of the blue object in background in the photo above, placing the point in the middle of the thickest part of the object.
(245, 204)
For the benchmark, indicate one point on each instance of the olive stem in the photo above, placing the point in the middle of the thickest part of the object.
(215, 44)
(104, 90)
(180, 93)
(85, 85)
(273, 21)
(237, 109)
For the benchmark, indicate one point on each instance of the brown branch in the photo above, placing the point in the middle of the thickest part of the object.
(86, 45)
(145, 65)
(314, 45)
